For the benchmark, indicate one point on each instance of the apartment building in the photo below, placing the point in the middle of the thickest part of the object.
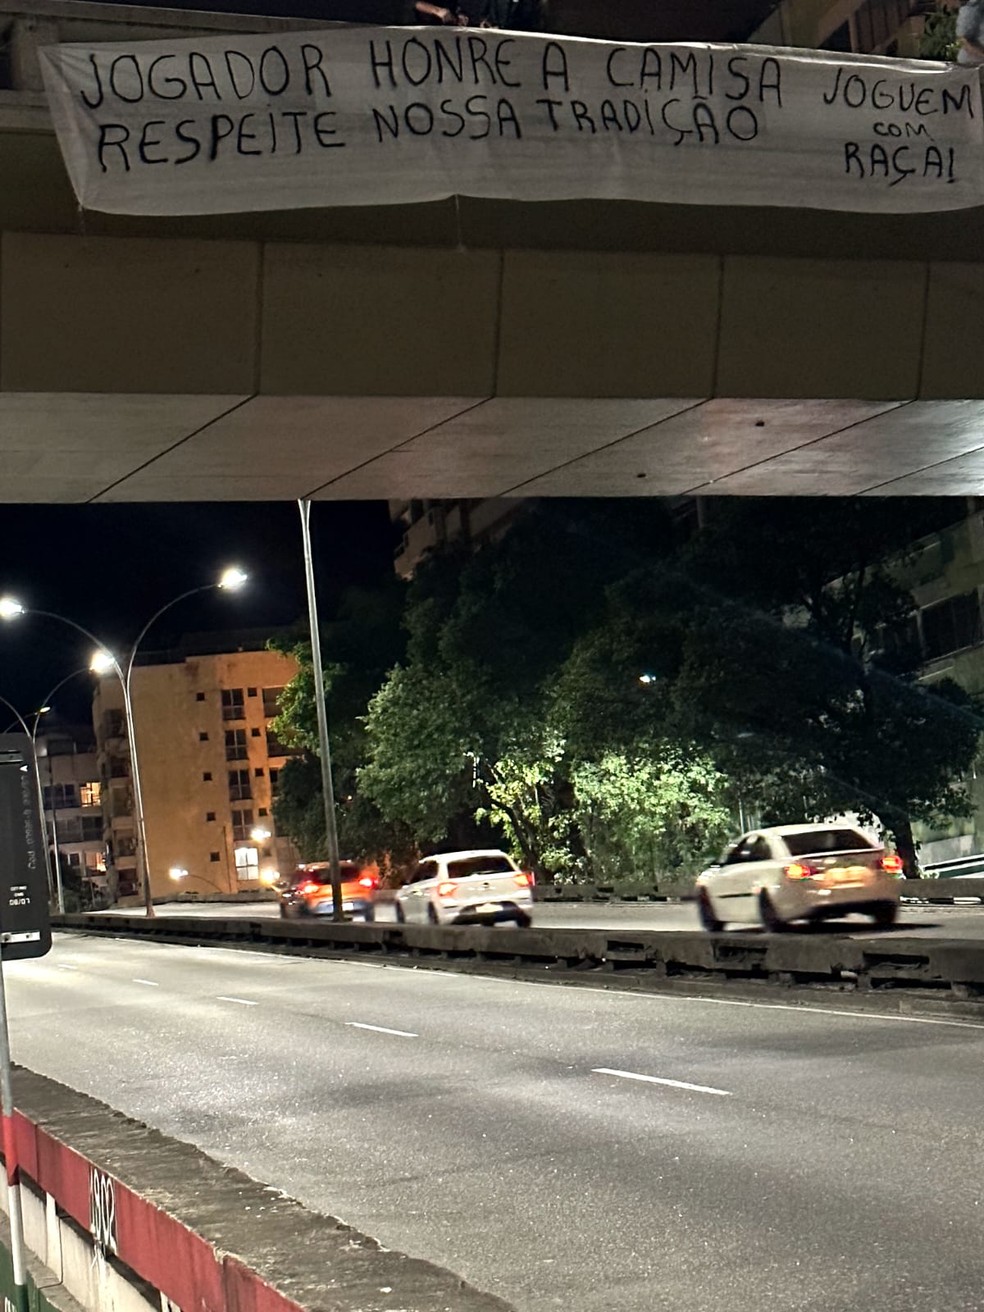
(209, 764)
(872, 27)
(946, 575)
(73, 819)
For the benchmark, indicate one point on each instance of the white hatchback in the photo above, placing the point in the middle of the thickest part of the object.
(799, 872)
(467, 888)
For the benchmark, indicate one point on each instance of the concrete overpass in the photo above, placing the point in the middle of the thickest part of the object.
(468, 348)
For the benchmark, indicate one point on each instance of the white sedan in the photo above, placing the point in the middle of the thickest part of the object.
(799, 872)
(467, 888)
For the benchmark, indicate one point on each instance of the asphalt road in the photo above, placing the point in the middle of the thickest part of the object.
(564, 1148)
(966, 921)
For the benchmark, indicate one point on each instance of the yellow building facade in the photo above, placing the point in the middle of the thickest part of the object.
(209, 764)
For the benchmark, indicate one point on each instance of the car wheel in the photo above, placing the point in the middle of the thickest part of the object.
(523, 920)
(432, 915)
(885, 915)
(401, 915)
(706, 912)
(369, 915)
(770, 919)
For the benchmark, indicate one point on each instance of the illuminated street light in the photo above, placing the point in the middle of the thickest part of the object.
(260, 835)
(647, 679)
(179, 874)
(103, 662)
(232, 579)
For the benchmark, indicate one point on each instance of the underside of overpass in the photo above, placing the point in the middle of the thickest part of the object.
(478, 348)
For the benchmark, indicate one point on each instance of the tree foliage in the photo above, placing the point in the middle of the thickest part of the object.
(607, 695)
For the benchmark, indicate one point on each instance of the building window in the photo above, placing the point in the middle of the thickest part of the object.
(92, 828)
(263, 811)
(255, 733)
(235, 740)
(250, 692)
(206, 776)
(214, 856)
(247, 863)
(239, 789)
(203, 737)
(209, 817)
(90, 794)
(242, 823)
(274, 747)
(113, 724)
(199, 696)
(271, 702)
(951, 625)
(60, 796)
(258, 773)
(233, 706)
(274, 781)
(126, 846)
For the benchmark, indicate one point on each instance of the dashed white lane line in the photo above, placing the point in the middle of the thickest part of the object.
(381, 1029)
(150, 983)
(243, 1002)
(654, 1079)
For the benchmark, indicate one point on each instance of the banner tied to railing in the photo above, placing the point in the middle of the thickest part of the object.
(378, 116)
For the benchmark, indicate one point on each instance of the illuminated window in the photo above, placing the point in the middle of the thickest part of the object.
(247, 863)
(90, 794)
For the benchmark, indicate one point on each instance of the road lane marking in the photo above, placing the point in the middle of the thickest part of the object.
(243, 1002)
(381, 1029)
(655, 1079)
(63, 967)
(151, 983)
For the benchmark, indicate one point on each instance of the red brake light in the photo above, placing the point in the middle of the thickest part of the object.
(447, 889)
(524, 879)
(892, 864)
(798, 871)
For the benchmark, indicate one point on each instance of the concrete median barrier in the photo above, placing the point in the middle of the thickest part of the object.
(125, 1218)
(884, 962)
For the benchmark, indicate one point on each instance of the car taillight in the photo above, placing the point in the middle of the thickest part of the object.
(799, 871)
(892, 864)
(524, 879)
(447, 889)
(309, 887)
(368, 881)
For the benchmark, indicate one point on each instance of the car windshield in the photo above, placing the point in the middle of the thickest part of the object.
(825, 840)
(480, 865)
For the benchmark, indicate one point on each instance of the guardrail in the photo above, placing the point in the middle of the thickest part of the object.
(940, 967)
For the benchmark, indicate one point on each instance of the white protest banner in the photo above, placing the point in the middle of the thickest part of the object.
(376, 116)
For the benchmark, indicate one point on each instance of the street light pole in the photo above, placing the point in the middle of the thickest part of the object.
(102, 662)
(324, 748)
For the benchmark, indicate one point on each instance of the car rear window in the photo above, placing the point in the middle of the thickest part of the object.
(346, 873)
(480, 865)
(825, 840)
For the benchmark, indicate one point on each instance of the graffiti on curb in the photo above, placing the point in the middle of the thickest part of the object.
(102, 1210)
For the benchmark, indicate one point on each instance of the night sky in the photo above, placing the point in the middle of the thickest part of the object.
(110, 567)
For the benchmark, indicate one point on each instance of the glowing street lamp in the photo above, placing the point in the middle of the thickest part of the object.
(260, 835)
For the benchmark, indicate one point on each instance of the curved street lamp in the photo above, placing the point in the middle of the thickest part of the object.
(104, 662)
(178, 874)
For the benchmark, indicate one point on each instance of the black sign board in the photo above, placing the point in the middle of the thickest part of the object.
(24, 927)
